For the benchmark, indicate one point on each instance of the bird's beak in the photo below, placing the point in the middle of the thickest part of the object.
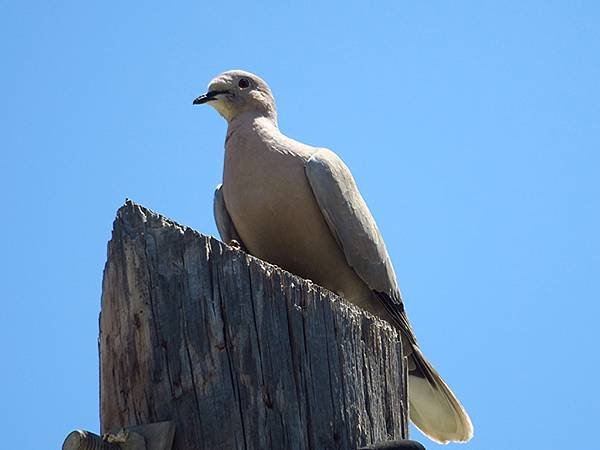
(209, 96)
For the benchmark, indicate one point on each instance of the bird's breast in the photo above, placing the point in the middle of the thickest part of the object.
(267, 196)
(277, 217)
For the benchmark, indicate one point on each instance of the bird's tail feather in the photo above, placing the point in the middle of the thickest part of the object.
(434, 409)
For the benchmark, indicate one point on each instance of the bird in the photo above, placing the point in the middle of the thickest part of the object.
(298, 207)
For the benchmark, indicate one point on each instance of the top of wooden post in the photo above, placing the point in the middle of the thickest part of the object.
(239, 353)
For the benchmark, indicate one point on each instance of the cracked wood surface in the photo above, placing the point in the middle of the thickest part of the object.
(239, 353)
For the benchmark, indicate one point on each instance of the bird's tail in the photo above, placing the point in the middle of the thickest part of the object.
(434, 409)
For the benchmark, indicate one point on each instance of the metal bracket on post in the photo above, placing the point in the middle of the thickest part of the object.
(403, 444)
(153, 436)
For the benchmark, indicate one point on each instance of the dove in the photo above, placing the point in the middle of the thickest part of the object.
(298, 207)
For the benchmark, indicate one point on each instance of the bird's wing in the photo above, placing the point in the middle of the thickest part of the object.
(223, 220)
(433, 406)
(356, 232)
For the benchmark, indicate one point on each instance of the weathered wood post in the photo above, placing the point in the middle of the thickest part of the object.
(238, 353)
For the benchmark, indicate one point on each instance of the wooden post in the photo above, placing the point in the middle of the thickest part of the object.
(238, 353)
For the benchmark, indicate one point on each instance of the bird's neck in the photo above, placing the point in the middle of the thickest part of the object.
(253, 123)
(246, 117)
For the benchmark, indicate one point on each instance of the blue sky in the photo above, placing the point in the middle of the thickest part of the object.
(472, 129)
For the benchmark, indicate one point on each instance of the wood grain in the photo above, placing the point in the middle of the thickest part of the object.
(239, 353)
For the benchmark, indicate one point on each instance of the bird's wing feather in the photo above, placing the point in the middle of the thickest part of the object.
(223, 220)
(355, 230)
(350, 220)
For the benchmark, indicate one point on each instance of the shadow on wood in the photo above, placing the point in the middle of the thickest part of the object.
(239, 353)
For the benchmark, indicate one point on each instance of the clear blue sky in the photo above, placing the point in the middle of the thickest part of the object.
(472, 129)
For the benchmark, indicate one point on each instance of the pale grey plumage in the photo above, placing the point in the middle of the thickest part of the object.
(224, 223)
(351, 222)
(298, 206)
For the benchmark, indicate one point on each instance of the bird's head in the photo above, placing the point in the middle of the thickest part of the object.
(236, 92)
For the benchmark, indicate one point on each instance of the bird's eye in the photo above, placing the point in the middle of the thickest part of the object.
(243, 83)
